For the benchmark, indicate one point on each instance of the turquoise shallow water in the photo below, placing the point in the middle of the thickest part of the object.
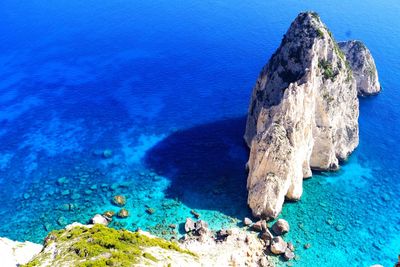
(165, 86)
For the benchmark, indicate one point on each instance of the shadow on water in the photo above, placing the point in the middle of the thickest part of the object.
(206, 166)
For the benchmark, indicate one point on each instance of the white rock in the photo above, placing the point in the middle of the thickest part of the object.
(99, 219)
(13, 253)
(303, 114)
(363, 66)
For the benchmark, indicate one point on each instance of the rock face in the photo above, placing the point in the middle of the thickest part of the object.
(14, 253)
(303, 115)
(363, 66)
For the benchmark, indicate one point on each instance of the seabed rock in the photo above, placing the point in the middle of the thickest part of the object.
(122, 213)
(107, 153)
(119, 200)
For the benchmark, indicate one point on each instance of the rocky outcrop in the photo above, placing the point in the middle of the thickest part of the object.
(303, 115)
(99, 245)
(363, 66)
(13, 253)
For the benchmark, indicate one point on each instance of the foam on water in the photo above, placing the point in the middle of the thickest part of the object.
(165, 86)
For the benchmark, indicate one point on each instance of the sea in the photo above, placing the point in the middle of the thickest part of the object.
(148, 99)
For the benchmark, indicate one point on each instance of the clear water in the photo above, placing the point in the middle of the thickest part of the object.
(165, 85)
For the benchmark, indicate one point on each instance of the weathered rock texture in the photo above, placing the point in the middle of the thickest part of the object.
(363, 66)
(13, 253)
(303, 115)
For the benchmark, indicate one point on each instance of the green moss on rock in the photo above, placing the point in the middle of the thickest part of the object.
(101, 246)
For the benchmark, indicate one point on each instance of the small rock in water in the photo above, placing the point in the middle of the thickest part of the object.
(75, 196)
(386, 197)
(123, 213)
(247, 221)
(119, 200)
(307, 246)
(26, 196)
(108, 213)
(172, 226)
(290, 246)
(62, 180)
(65, 192)
(267, 235)
(62, 221)
(278, 245)
(195, 214)
(65, 207)
(150, 211)
(289, 255)
(257, 226)
(107, 153)
(339, 227)
(189, 225)
(280, 227)
(329, 221)
(99, 219)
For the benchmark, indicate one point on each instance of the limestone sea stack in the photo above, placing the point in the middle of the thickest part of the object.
(303, 115)
(363, 66)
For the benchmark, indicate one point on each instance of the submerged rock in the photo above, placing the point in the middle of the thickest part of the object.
(122, 213)
(119, 200)
(363, 66)
(289, 254)
(109, 214)
(107, 153)
(189, 225)
(303, 115)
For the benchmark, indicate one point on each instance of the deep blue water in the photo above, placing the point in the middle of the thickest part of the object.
(165, 85)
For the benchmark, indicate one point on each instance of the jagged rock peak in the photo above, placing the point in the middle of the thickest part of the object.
(363, 66)
(303, 114)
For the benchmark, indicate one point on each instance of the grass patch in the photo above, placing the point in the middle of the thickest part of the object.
(327, 69)
(103, 246)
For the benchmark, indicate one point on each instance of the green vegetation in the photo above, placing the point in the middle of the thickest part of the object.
(103, 246)
(327, 69)
(320, 33)
(314, 15)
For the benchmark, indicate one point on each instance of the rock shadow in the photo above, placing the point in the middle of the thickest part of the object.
(206, 166)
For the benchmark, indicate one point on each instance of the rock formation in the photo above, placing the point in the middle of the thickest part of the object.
(363, 66)
(13, 253)
(303, 115)
(98, 245)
